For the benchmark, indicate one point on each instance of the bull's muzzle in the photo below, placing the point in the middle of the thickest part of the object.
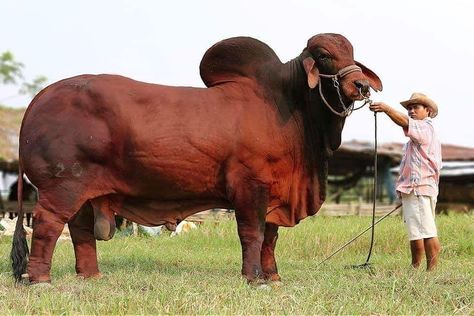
(363, 87)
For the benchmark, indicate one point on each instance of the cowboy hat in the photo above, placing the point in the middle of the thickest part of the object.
(420, 98)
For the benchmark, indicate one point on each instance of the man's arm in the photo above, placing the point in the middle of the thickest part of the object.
(399, 118)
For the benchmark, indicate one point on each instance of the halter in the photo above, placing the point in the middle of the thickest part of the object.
(335, 80)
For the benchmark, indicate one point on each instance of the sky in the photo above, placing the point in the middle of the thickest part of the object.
(414, 46)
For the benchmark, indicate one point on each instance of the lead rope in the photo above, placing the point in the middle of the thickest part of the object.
(374, 191)
(372, 227)
(360, 234)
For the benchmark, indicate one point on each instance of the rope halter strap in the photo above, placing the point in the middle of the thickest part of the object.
(347, 110)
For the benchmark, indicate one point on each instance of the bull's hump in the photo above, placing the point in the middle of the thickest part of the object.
(86, 81)
(234, 57)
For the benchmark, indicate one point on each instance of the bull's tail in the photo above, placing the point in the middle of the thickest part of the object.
(20, 252)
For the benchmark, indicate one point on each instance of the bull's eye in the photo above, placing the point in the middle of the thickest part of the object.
(324, 58)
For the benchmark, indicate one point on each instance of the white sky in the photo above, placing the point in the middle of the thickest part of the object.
(424, 46)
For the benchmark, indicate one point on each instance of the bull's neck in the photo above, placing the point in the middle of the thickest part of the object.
(293, 81)
(318, 124)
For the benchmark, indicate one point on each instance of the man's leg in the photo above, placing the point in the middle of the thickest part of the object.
(410, 215)
(432, 248)
(417, 252)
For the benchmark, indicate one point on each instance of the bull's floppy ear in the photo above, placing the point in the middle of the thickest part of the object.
(311, 71)
(374, 80)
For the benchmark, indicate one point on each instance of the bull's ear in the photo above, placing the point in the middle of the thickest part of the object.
(374, 80)
(311, 71)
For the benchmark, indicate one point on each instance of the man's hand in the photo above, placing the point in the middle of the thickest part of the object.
(380, 107)
(397, 117)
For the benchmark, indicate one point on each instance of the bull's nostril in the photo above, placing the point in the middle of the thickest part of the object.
(362, 86)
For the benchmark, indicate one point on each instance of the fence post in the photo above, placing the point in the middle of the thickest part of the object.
(135, 229)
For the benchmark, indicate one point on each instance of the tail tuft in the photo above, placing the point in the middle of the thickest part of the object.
(19, 253)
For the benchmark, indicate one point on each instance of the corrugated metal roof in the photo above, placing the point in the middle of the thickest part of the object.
(449, 152)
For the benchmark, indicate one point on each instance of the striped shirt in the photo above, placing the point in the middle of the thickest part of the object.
(421, 162)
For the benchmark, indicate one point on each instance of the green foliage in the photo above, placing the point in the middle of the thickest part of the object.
(199, 273)
(11, 72)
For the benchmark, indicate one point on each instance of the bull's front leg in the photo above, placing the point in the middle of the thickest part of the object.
(269, 267)
(250, 210)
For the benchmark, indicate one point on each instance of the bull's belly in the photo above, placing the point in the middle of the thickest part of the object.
(155, 212)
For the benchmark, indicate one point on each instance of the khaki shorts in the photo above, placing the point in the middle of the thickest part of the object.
(419, 216)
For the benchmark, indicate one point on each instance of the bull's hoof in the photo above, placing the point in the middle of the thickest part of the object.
(272, 277)
(84, 276)
(24, 280)
(41, 281)
(265, 284)
(275, 284)
(256, 282)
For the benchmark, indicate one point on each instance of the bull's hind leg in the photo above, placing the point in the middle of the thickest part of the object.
(56, 206)
(47, 226)
(269, 266)
(81, 227)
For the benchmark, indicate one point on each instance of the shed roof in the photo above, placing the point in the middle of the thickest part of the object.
(448, 151)
(357, 155)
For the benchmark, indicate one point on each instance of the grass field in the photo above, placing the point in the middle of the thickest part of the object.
(199, 273)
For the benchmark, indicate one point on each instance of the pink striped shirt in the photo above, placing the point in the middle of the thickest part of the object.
(421, 162)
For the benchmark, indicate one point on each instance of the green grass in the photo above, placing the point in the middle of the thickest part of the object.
(199, 273)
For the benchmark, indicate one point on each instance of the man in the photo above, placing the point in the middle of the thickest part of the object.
(418, 181)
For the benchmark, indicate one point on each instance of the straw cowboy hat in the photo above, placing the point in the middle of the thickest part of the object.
(420, 98)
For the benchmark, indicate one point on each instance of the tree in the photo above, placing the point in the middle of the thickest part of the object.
(11, 72)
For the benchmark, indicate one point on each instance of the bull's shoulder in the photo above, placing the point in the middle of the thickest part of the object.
(234, 57)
